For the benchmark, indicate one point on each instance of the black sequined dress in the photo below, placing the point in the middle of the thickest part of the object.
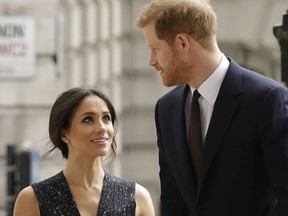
(55, 197)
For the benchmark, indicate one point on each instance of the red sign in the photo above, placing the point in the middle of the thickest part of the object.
(17, 47)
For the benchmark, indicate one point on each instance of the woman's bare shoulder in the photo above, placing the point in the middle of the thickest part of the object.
(144, 204)
(26, 203)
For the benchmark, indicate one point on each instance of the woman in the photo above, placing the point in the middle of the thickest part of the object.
(81, 125)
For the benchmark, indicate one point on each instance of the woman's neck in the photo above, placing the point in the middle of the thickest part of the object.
(86, 173)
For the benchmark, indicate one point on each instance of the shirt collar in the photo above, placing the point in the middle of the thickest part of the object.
(210, 87)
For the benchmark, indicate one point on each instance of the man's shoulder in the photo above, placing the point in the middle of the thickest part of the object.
(250, 78)
(176, 92)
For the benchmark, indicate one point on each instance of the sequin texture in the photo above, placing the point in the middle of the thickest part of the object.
(55, 198)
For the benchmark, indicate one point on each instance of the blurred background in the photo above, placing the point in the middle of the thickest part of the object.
(48, 46)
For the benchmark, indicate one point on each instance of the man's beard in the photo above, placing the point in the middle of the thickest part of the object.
(176, 73)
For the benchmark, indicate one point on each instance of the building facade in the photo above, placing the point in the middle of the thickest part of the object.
(94, 43)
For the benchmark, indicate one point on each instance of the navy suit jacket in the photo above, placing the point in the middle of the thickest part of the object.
(245, 153)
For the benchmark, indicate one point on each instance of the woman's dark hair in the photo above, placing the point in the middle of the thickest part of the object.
(63, 111)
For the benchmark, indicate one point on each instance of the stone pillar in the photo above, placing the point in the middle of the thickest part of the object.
(281, 34)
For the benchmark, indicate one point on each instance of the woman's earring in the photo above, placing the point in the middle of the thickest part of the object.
(65, 140)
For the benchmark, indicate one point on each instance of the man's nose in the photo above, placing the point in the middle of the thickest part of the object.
(152, 60)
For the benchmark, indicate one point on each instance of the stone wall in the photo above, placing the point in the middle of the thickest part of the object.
(103, 49)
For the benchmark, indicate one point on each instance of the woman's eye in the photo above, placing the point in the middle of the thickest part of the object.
(107, 117)
(88, 119)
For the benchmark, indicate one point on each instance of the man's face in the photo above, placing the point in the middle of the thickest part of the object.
(164, 58)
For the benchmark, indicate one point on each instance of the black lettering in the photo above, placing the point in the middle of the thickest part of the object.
(12, 31)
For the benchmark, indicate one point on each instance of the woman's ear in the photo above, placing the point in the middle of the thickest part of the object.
(64, 137)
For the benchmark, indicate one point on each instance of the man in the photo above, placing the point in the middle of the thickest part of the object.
(241, 168)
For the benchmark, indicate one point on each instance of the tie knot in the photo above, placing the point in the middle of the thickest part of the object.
(196, 95)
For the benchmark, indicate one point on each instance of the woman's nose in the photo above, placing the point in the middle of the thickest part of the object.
(100, 126)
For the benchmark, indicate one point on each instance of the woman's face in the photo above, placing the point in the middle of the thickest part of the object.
(91, 131)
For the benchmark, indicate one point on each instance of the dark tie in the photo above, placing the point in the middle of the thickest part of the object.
(195, 137)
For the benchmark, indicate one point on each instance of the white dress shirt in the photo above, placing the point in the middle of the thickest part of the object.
(209, 91)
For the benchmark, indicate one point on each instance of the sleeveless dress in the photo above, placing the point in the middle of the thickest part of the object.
(55, 198)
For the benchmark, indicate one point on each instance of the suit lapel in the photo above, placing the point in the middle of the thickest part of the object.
(224, 109)
(176, 145)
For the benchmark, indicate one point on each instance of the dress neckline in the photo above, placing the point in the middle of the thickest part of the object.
(71, 195)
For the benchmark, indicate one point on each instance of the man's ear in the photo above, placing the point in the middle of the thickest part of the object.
(182, 42)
